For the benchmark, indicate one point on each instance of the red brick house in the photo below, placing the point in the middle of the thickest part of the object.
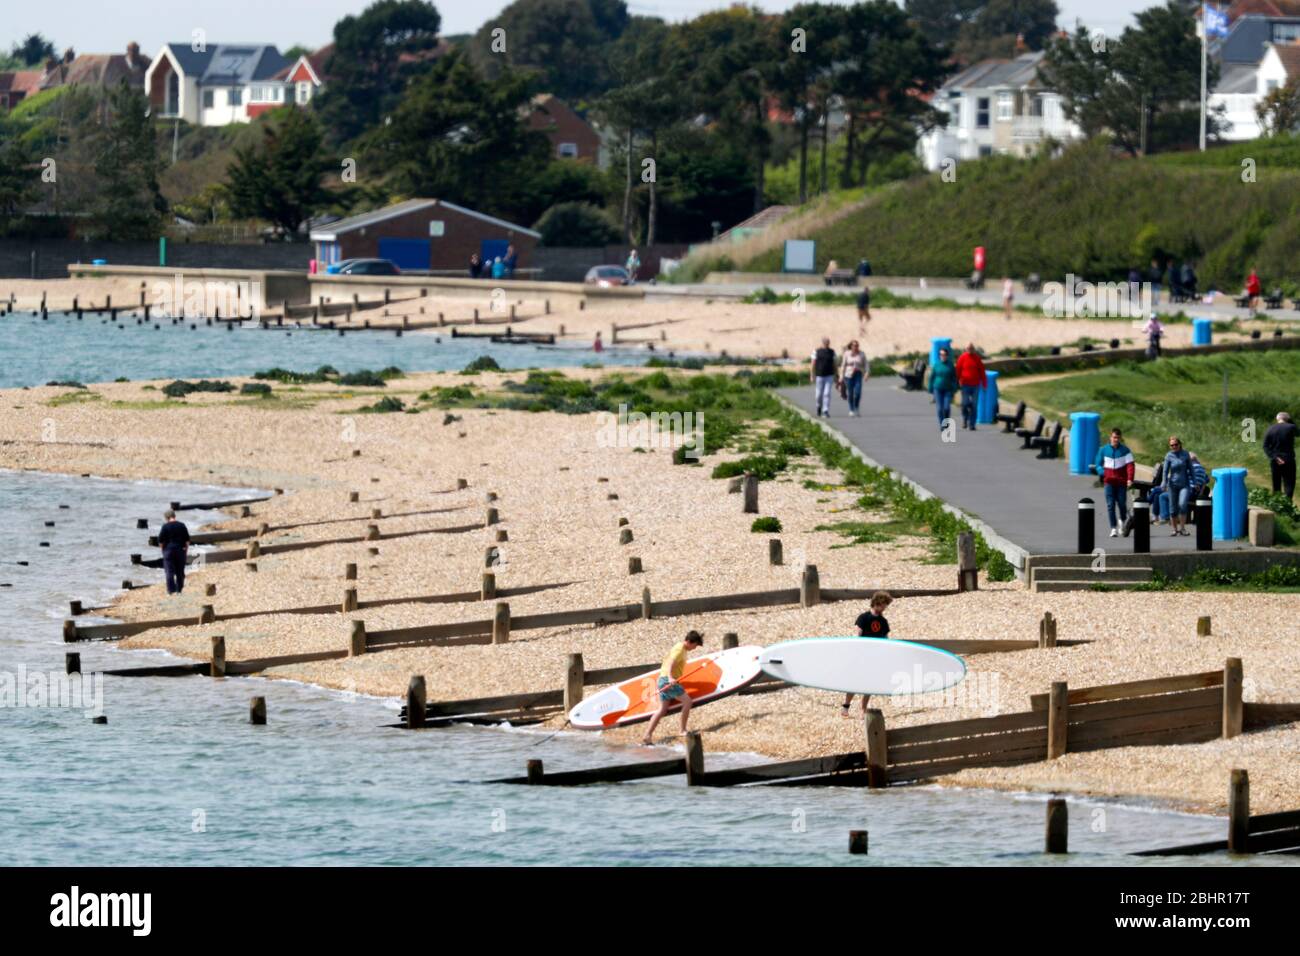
(16, 86)
(422, 234)
(104, 70)
(571, 136)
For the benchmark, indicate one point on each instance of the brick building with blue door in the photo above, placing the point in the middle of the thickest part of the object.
(422, 235)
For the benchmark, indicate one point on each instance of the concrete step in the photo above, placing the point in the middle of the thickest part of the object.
(1114, 558)
(1095, 580)
(1132, 575)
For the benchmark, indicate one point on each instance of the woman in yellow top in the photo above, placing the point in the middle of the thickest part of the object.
(669, 683)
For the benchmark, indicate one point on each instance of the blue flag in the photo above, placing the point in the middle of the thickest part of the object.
(1216, 21)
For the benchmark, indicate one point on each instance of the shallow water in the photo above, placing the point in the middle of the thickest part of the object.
(178, 776)
(36, 351)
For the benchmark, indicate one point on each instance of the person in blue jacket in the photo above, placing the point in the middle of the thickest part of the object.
(943, 383)
(1115, 465)
(1179, 477)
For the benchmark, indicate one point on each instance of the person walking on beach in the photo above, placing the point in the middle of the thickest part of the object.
(971, 377)
(1115, 465)
(633, 267)
(598, 345)
(870, 624)
(943, 382)
(1154, 330)
(1279, 446)
(1178, 484)
(1008, 295)
(174, 542)
(853, 372)
(823, 377)
(864, 310)
(669, 683)
(1253, 291)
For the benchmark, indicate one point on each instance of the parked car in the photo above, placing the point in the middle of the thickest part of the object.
(606, 276)
(364, 267)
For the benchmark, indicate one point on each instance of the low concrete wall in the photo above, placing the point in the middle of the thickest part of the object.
(1179, 564)
(932, 286)
(267, 287)
(1100, 358)
(53, 255)
(561, 294)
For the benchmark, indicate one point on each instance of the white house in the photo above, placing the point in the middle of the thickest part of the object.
(226, 83)
(995, 106)
(1241, 87)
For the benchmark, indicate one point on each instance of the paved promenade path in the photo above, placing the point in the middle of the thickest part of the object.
(1029, 501)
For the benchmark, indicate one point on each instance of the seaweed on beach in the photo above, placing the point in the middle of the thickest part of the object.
(181, 388)
(385, 405)
(260, 389)
(68, 384)
(484, 363)
(328, 373)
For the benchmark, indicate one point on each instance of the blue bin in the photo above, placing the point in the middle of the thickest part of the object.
(986, 408)
(1085, 438)
(1230, 505)
(935, 345)
(99, 262)
(1201, 331)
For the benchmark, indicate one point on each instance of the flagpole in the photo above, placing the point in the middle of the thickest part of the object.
(1204, 59)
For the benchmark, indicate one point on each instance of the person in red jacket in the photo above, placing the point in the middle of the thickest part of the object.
(971, 377)
(1253, 291)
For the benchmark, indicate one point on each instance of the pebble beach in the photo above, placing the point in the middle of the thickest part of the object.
(560, 493)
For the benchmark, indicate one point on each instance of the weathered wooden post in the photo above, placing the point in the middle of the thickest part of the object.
(1203, 626)
(207, 614)
(810, 589)
(490, 556)
(244, 512)
(877, 754)
(72, 663)
(376, 513)
(257, 711)
(729, 640)
(574, 680)
(1058, 717)
(535, 771)
(250, 566)
(634, 565)
(357, 639)
(218, 666)
(501, 623)
(622, 522)
(490, 497)
(75, 607)
(142, 522)
(372, 532)
(461, 483)
(1232, 705)
(503, 534)
(645, 603)
(492, 516)
(263, 529)
(354, 496)
(254, 550)
(416, 702)
(774, 555)
(735, 485)
(858, 842)
(1047, 630)
(967, 575)
(625, 536)
(751, 494)
(349, 572)
(694, 758)
(1239, 812)
(209, 590)
(1058, 826)
(349, 600)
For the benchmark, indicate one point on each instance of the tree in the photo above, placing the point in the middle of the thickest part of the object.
(456, 135)
(565, 43)
(998, 26)
(129, 204)
(808, 46)
(281, 179)
(19, 176)
(576, 224)
(942, 20)
(1279, 110)
(376, 54)
(33, 49)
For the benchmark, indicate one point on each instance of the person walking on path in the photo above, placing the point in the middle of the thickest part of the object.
(174, 542)
(475, 265)
(598, 345)
(864, 310)
(823, 377)
(1115, 465)
(853, 372)
(971, 377)
(633, 267)
(1008, 295)
(1279, 446)
(1154, 330)
(1253, 291)
(943, 382)
(870, 624)
(670, 683)
(1178, 484)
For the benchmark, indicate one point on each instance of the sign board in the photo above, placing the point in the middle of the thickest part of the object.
(437, 227)
(800, 255)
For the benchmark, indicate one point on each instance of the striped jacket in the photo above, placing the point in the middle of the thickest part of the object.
(1115, 465)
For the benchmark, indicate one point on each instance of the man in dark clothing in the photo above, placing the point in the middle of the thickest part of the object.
(1279, 446)
(174, 542)
(870, 624)
(475, 266)
(823, 377)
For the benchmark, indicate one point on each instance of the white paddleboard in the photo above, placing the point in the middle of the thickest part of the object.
(863, 665)
(705, 678)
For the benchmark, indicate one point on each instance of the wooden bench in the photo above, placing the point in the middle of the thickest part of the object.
(914, 380)
(1273, 300)
(1034, 282)
(1029, 434)
(840, 277)
(1011, 422)
(1241, 300)
(1047, 447)
(975, 280)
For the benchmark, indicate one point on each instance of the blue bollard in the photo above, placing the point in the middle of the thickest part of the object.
(1201, 331)
(1230, 503)
(986, 408)
(1085, 439)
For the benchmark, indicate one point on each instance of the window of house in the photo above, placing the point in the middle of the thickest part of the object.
(1286, 32)
(986, 151)
(236, 96)
(982, 113)
(1006, 107)
(304, 92)
(207, 99)
(1036, 106)
(1271, 85)
(567, 150)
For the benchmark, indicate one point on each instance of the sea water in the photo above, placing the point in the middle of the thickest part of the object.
(178, 776)
(35, 351)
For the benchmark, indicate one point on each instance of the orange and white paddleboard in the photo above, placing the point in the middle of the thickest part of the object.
(705, 678)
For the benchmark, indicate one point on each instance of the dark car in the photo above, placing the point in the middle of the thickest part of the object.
(368, 267)
(607, 276)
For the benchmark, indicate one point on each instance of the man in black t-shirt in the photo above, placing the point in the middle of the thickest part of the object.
(174, 542)
(1279, 446)
(823, 377)
(870, 624)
